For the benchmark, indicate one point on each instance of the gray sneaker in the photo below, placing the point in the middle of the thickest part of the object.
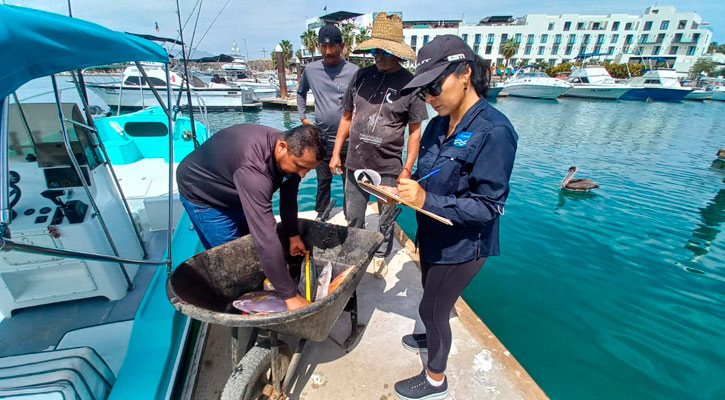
(418, 388)
(416, 342)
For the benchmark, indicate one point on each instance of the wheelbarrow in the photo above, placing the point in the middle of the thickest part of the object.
(204, 287)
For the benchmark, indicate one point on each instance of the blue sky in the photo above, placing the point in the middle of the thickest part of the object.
(264, 23)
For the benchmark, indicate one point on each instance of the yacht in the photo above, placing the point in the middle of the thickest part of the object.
(659, 84)
(530, 81)
(238, 68)
(594, 81)
(718, 92)
(133, 91)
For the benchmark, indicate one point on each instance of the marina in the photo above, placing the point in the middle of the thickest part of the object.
(617, 287)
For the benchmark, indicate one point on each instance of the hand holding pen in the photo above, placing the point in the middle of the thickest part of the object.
(411, 191)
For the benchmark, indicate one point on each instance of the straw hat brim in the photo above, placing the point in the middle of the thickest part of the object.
(400, 50)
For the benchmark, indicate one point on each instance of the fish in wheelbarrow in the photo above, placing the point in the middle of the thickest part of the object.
(261, 302)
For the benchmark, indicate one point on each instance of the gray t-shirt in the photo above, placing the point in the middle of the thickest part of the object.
(328, 85)
(380, 115)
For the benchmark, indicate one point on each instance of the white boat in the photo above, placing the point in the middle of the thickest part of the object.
(660, 84)
(718, 93)
(594, 82)
(700, 94)
(133, 91)
(82, 284)
(530, 81)
(238, 68)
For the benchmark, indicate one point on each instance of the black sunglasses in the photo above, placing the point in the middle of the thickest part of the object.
(434, 88)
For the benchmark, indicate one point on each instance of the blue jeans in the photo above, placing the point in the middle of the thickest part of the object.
(215, 226)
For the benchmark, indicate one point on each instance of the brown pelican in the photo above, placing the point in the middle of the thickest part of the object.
(721, 153)
(578, 184)
(719, 162)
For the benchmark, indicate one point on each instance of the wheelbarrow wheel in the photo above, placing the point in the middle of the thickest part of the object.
(254, 372)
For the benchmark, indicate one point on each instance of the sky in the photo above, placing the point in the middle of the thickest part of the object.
(262, 24)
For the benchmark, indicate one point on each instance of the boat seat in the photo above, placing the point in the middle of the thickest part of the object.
(77, 373)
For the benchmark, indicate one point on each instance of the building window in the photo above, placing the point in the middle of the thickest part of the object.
(586, 39)
(491, 38)
(489, 47)
(477, 38)
(555, 49)
(691, 50)
(678, 38)
(504, 37)
(615, 26)
(656, 51)
(517, 38)
(413, 40)
(695, 37)
(465, 37)
(664, 25)
(544, 37)
(640, 50)
(557, 39)
(596, 26)
(572, 38)
(682, 24)
(530, 39)
(629, 39)
(541, 50)
(425, 39)
(567, 25)
(513, 61)
(647, 26)
(527, 50)
(580, 26)
(552, 61)
(597, 48)
(673, 50)
(628, 26)
(567, 51)
(611, 50)
(600, 39)
(583, 49)
(615, 37)
(695, 25)
(660, 38)
(625, 49)
(643, 38)
(475, 48)
(500, 61)
(551, 26)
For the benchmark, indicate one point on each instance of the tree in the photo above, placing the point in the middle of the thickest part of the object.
(362, 36)
(309, 40)
(509, 49)
(348, 37)
(704, 65)
(287, 51)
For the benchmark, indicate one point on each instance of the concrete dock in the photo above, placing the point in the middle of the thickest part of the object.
(479, 367)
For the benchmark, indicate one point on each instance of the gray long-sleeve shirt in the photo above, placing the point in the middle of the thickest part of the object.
(236, 168)
(328, 85)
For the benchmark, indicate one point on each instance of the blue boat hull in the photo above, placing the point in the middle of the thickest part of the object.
(658, 94)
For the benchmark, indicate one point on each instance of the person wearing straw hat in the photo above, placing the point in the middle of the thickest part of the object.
(375, 117)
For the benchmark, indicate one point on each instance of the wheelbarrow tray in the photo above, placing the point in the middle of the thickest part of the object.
(204, 286)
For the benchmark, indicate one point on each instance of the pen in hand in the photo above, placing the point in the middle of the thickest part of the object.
(429, 174)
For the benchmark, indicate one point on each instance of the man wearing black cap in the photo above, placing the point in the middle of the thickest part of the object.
(328, 78)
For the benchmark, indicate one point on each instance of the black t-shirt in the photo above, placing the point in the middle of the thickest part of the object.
(380, 115)
(236, 168)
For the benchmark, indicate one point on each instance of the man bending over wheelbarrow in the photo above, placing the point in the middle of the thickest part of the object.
(226, 186)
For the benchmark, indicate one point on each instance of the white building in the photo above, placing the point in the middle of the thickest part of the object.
(680, 38)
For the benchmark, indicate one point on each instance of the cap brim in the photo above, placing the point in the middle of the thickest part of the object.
(423, 79)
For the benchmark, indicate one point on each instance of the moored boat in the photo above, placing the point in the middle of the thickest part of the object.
(659, 84)
(530, 81)
(594, 81)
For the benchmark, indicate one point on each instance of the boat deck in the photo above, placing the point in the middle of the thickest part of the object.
(479, 366)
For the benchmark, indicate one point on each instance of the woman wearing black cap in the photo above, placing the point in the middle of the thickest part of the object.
(474, 146)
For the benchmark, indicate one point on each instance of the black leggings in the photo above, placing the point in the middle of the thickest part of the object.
(442, 285)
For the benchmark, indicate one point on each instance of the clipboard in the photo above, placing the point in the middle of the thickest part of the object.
(386, 197)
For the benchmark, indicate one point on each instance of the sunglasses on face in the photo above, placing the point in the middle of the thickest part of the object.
(434, 88)
(375, 52)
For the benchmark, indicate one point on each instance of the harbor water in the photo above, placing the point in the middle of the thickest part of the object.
(614, 294)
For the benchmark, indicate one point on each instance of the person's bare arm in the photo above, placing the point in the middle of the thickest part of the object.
(412, 154)
(343, 131)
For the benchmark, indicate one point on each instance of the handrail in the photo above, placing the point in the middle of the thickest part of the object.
(82, 178)
(7, 245)
(4, 201)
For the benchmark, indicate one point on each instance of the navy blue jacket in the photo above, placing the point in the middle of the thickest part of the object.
(476, 162)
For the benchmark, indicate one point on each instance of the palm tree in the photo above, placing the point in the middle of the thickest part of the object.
(362, 36)
(348, 37)
(309, 40)
(509, 49)
(286, 51)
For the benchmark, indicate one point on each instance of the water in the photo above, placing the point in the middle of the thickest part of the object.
(618, 294)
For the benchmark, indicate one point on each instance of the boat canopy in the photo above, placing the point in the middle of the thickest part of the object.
(37, 43)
